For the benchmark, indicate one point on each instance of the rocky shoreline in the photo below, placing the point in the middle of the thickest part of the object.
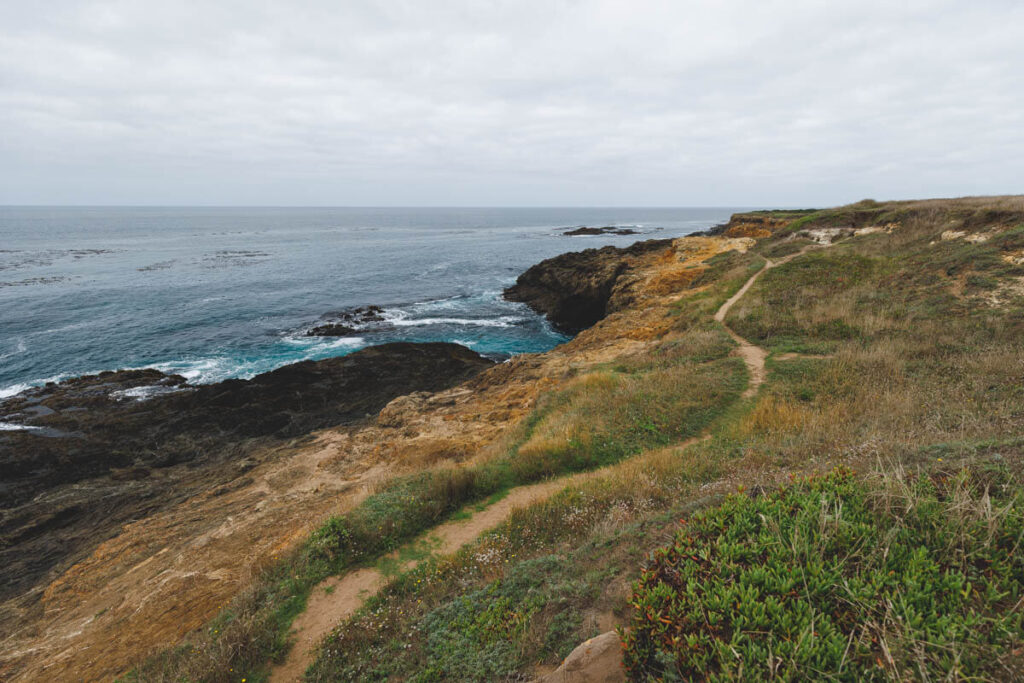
(98, 451)
(95, 457)
(119, 480)
(346, 323)
(576, 289)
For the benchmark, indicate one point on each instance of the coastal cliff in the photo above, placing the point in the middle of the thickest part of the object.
(577, 289)
(186, 482)
(788, 344)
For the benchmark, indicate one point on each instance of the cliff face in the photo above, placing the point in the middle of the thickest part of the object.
(177, 552)
(577, 289)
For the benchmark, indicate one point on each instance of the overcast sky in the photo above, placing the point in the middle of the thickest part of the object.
(519, 102)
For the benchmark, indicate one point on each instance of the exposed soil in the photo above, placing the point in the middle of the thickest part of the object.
(339, 597)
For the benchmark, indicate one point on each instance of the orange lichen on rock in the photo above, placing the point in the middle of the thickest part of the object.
(755, 226)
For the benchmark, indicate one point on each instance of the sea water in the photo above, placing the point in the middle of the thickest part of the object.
(214, 293)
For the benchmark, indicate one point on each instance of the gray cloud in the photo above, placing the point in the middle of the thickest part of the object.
(509, 102)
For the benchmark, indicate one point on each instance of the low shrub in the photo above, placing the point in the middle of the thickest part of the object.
(840, 579)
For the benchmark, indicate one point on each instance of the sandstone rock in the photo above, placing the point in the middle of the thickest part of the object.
(396, 413)
(598, 660)
(574, 290)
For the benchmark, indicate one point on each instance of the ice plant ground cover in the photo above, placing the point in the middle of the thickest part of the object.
(894, 578)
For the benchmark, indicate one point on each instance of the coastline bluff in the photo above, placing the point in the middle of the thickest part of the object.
(201, 529)
(577, 289)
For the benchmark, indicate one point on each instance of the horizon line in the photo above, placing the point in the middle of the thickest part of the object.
(394, 206)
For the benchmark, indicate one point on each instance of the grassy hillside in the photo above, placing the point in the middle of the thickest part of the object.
(895, 372)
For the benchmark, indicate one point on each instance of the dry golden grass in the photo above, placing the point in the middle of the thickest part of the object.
(996, 202)
(909, 368)
(774, 415)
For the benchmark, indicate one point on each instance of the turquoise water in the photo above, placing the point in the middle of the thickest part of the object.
(213, 293)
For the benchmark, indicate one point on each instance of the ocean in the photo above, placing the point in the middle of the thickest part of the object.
(215, 293)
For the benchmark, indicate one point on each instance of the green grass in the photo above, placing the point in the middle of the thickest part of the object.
(525, 593)
(596, 420)
(833, 578)
(415, 551)
(916, 357)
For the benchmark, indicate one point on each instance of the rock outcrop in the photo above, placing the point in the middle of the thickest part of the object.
(605, 230)
(598, 660)
(96, 457)
(746, 225)
(345, 323)
(577, 289)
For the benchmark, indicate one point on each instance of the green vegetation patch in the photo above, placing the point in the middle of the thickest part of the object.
(524, 594)
(481, 636)
(781, 249)
(605, 417)
(834, 578)
(804, 304)
(598, 420)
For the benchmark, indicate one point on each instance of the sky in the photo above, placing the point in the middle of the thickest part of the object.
(509, 103)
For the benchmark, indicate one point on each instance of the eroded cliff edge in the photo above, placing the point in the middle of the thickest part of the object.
(96, 457)
(152, 580)
(577, 289)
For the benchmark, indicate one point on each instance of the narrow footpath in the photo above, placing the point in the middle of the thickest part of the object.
(338, 597)
(753, 356)
(599, 658)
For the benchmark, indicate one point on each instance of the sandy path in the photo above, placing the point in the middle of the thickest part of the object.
(338, 597)
(753, 356)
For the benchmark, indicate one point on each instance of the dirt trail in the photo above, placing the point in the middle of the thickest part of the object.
(338, 597)
(168, 573)
(753, 356)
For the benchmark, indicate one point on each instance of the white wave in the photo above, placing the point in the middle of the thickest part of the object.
(324, 342)
(11, 427)
(446, 303)
(14, 390)
(343, 342)
(465, 342)
(193, 370)
(503, 321)
(488, 296)
(219, 368)
(18, 348)
(144, 393)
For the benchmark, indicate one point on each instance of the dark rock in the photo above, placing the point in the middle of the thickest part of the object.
(574, 290)
(332, 330)
(607, 230)
(346, 323)
(713, 231)
(62, 496)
